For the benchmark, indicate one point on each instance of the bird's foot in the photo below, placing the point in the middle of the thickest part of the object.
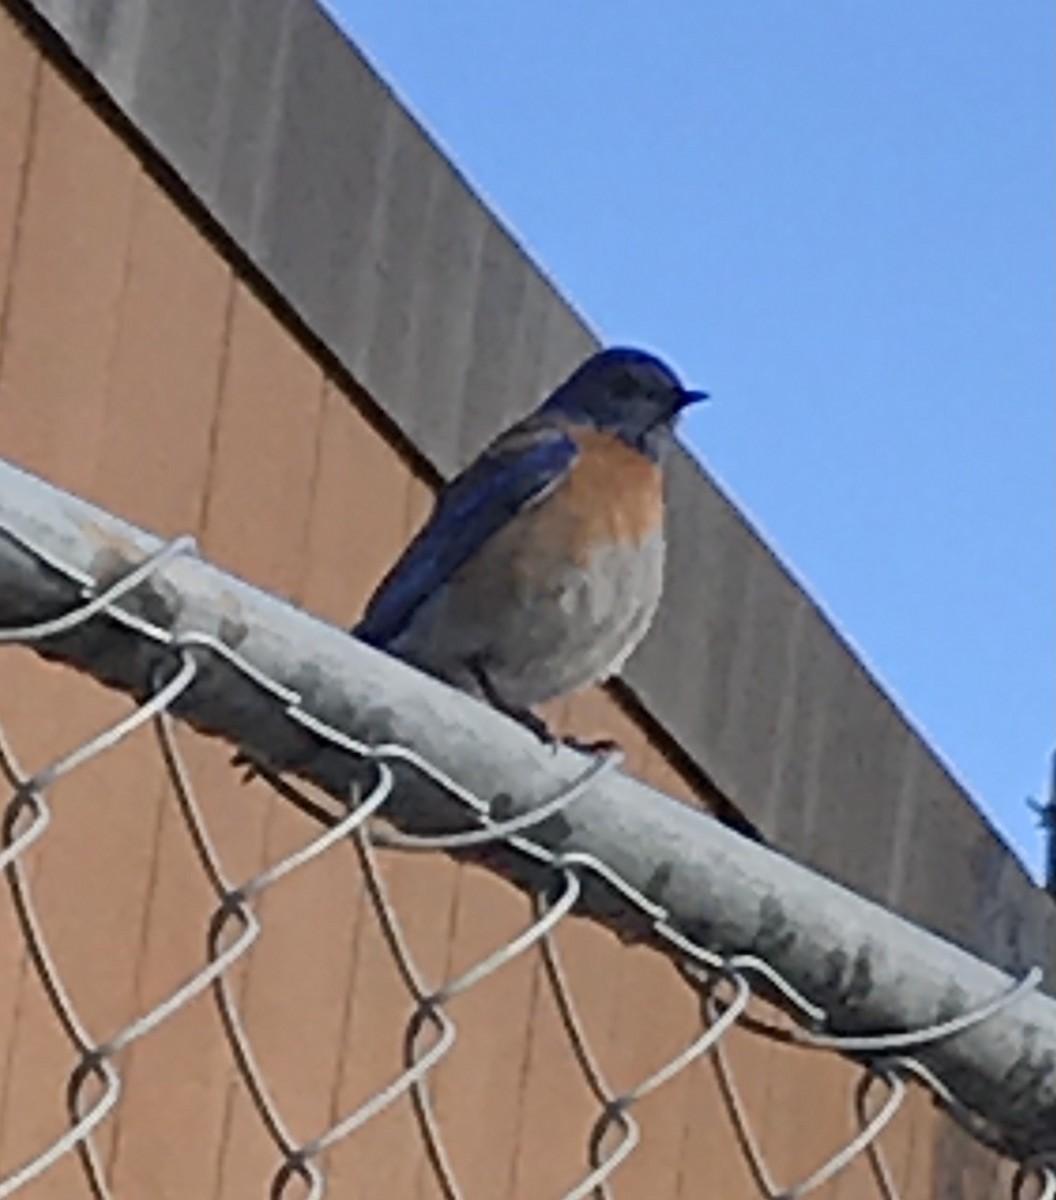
(534, 724)
(596, 747)
(524, 716)
(600, 747)
(252, 766)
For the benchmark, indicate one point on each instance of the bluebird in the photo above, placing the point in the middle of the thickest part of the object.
(541, 566)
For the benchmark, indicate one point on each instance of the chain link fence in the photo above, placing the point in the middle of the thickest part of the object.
(356, 826)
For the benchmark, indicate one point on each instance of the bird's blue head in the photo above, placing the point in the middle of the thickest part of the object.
(626, 392)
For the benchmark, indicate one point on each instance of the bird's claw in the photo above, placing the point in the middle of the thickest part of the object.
(599, 747)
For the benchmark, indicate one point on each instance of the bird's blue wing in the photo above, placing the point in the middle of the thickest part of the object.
(518, 470)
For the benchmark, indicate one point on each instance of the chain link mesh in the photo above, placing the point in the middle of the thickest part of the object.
(724, 987)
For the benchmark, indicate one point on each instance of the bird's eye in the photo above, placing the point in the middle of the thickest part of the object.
(625, 385)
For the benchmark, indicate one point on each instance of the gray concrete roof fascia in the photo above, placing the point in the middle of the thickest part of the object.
(302, 155)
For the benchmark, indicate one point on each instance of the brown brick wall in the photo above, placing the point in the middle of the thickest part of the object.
(138, 369)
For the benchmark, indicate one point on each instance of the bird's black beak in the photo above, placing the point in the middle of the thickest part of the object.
(687, 396)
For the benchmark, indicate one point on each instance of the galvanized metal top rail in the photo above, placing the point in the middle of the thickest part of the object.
(307, 698)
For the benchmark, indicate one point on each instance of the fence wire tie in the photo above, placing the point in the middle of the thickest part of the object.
(493, 830)
(100, 602)
(941, 1030)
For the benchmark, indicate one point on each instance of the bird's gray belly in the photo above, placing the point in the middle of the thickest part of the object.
(535, 640)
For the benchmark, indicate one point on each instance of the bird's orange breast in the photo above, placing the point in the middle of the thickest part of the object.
(612, 494)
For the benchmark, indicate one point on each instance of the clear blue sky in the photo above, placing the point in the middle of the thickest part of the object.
(837, 217)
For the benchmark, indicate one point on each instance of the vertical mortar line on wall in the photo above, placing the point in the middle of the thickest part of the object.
(134, 217)
(684, 1188)
(558, 718)
(337, 1083)
(425, 1163)
(201, 524)
(138, 965)
(163, 789)
(240, 987)
(16, 1018)
(358, 917)
(28, 867)
(317, 455)
(682, 1182)
(636, 763)
(721, 1075)
(355, 943)
(911, 1145)
(234, 283)
(524, 1069)
(134, 213)
(24, 168)
(221, 382)
(411, 522)
(298, 598)
(903, 1174)
(762, 1122)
